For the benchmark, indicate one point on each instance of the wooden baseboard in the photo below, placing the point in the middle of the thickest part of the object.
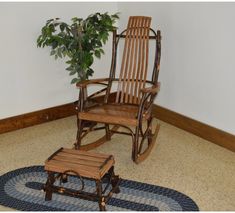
(200, 129)
(195, 127)
(37, 117)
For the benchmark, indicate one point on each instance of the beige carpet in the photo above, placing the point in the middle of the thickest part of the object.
(181, 161)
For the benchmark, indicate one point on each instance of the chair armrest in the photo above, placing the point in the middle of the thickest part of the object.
(92, 81)
(149, 94)
(153, 89)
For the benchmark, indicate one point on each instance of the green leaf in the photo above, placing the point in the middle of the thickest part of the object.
(90, 72)
(69, 68)
(99, 43)
(97, 53)
(50, 20)
(59, 53)
(115, 16)
(68, 62)
(54, 44)
(39, 38)
(74, 80)
(74, 19)
(62, 27)
(73, 72)
(101, 50)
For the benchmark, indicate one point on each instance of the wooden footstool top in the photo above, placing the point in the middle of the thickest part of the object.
(86, 164)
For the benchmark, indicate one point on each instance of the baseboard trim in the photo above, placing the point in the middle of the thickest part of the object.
(37, 117)
(195, 127)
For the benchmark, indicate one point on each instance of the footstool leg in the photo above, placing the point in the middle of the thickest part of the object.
(48, 186)
(101, 199)
(114, 180)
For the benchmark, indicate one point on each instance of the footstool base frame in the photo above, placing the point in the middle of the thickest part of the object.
(100, 194)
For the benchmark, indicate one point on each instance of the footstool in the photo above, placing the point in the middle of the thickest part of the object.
(84, 165)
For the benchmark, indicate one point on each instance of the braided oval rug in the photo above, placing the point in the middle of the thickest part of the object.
(21, 189)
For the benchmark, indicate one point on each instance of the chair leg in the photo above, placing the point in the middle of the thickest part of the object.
(149, 127)
(147, 135)
(135, 144)
(107, 131)
(142, 155)
(79, 133)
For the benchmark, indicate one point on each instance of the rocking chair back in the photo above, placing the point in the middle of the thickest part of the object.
(134, 61)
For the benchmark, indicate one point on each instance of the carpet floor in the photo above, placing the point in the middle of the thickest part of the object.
(181, 161)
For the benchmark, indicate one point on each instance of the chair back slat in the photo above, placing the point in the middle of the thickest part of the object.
(134, 65)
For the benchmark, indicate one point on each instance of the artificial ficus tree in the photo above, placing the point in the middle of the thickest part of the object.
(79, 42)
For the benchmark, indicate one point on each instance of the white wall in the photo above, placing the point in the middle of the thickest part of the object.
(30, 79)
(198, 58)
(197, 66)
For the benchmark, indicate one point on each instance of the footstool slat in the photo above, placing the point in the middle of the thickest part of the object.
(61, 167)
(76, 161)
(75, 156)
(85, 153)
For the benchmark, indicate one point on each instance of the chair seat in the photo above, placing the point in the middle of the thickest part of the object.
(122, 114)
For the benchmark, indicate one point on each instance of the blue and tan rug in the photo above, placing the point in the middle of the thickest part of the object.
(21, 189)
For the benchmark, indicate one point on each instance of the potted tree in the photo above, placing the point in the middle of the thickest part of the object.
(79, 42)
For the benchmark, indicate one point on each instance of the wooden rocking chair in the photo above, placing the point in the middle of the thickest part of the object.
(131, 104)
